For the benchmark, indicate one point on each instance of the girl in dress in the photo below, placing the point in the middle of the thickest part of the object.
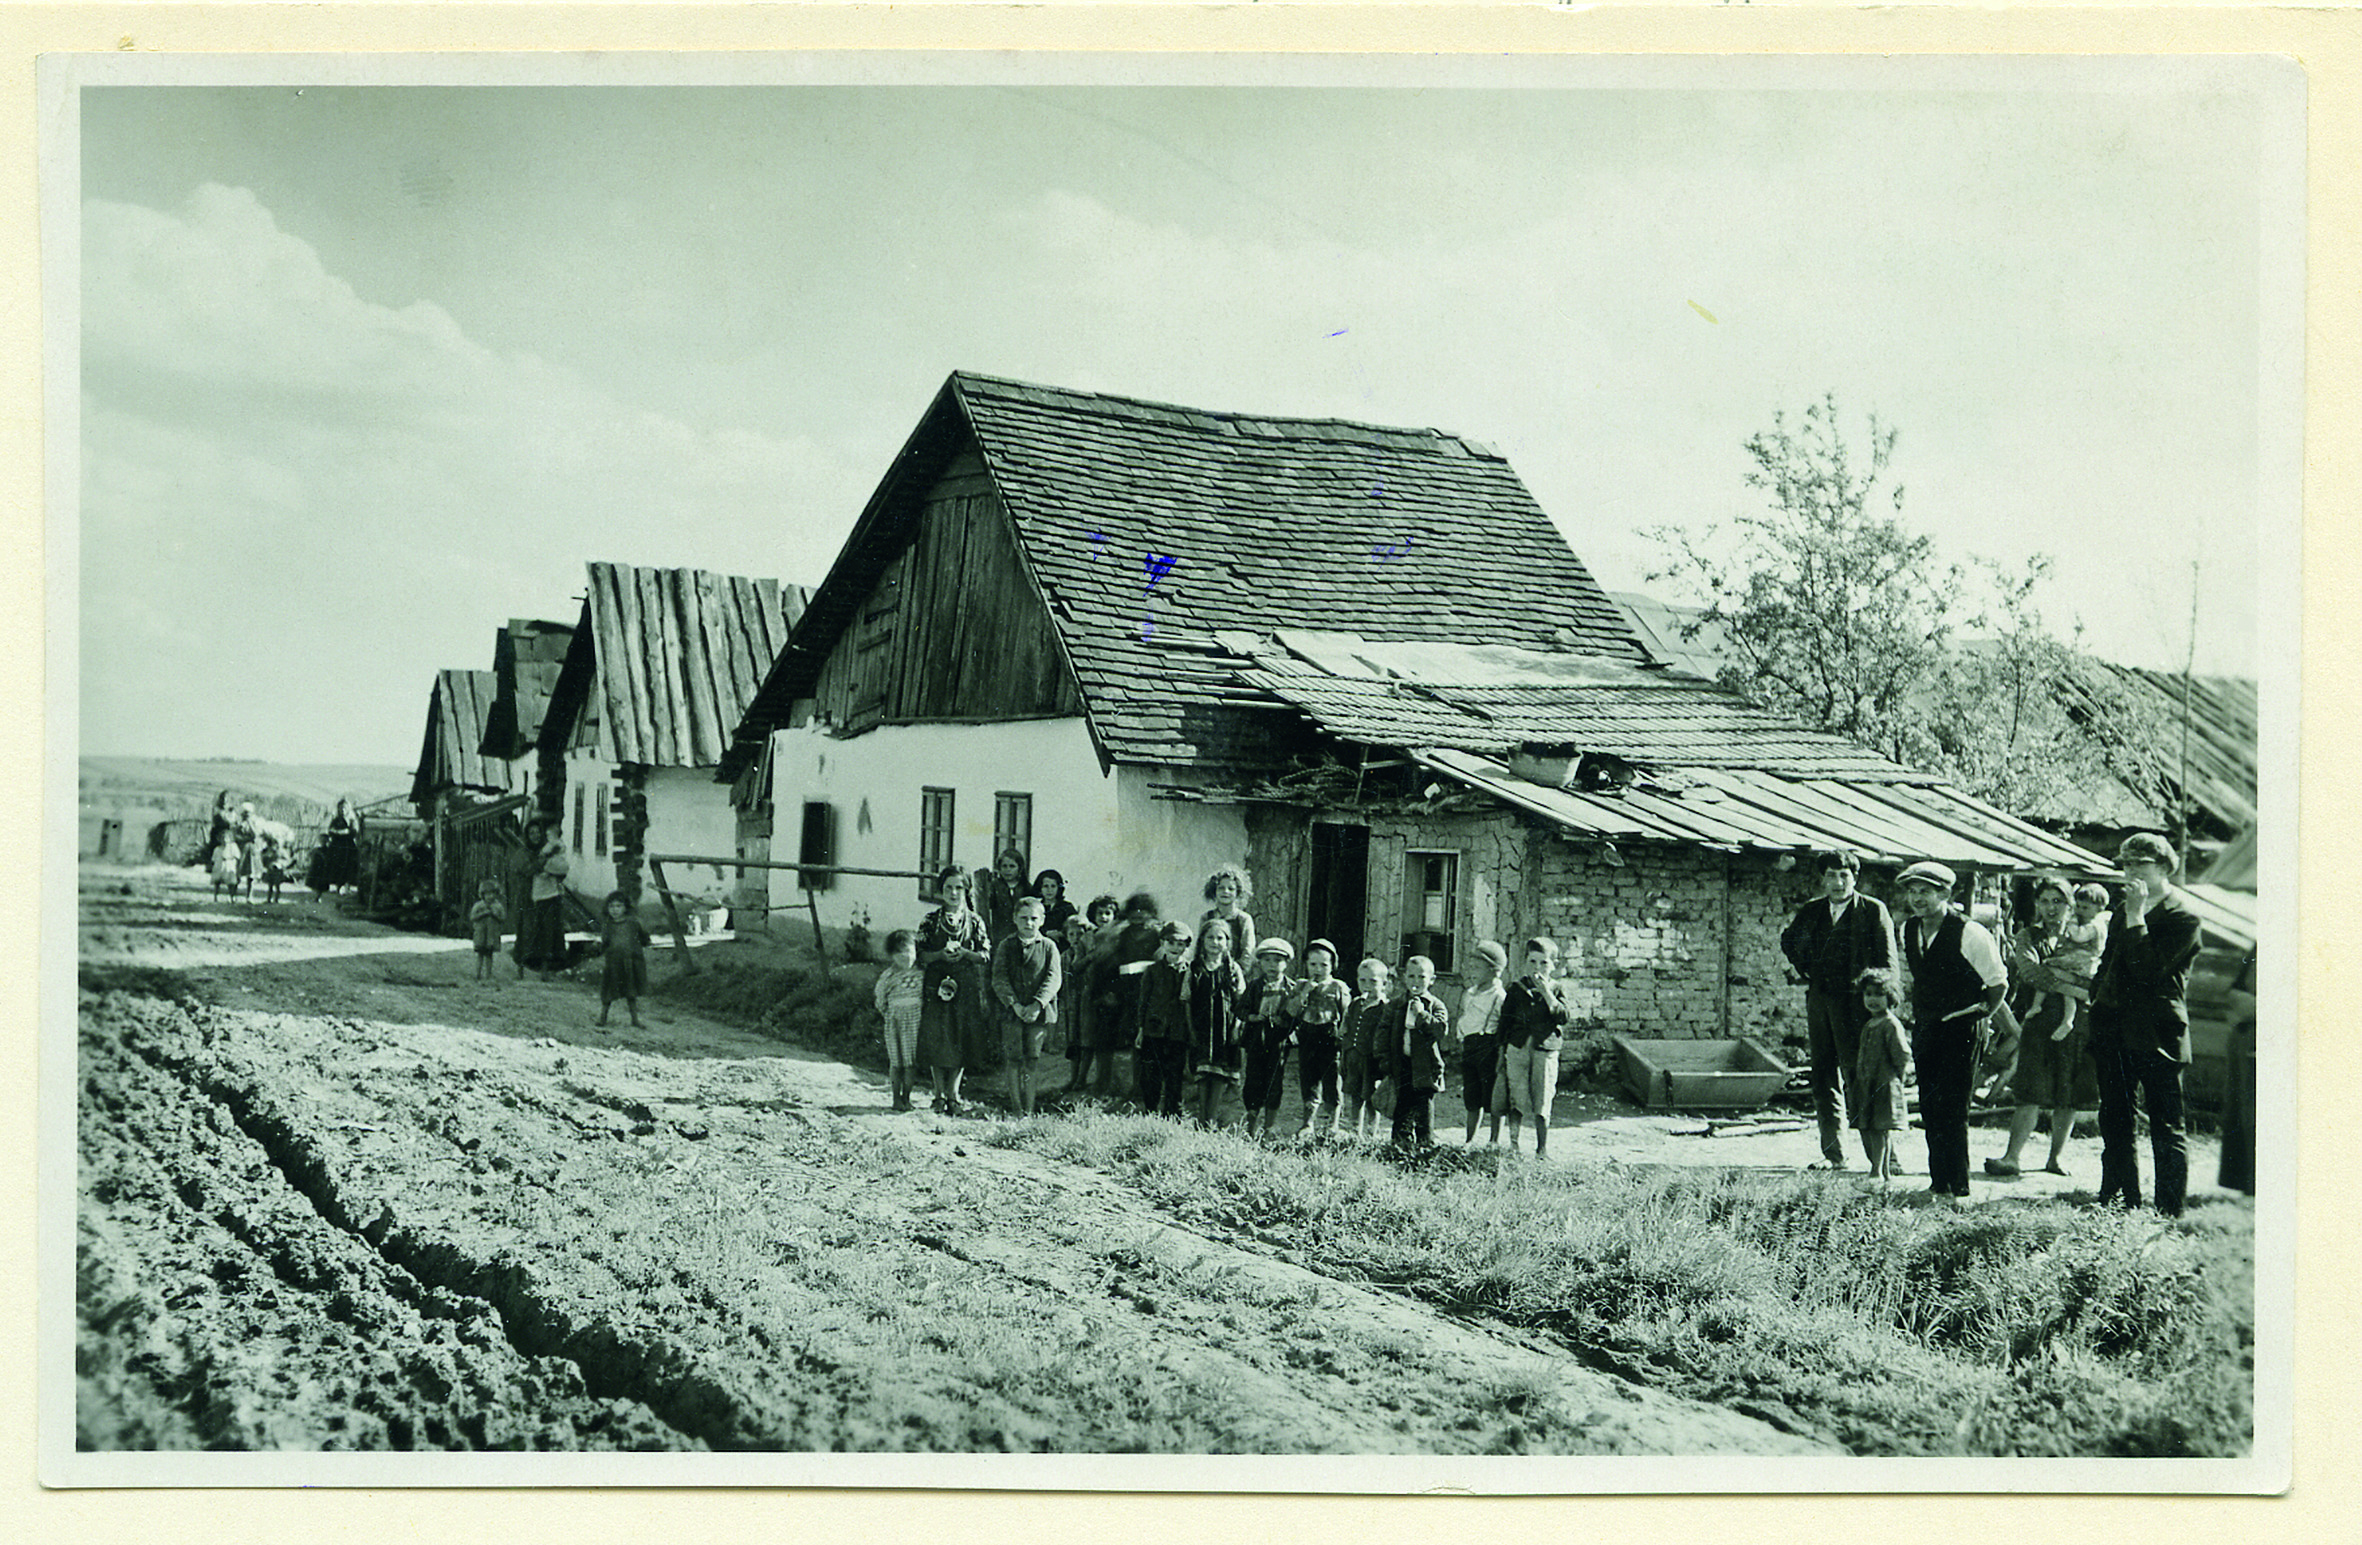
(623, 972)
(998, 890)
(1209, 1008)
(1229, 889)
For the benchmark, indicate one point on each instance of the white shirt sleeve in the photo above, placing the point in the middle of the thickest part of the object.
(1982, 954)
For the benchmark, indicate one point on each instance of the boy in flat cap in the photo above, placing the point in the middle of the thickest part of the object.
(1957, 978)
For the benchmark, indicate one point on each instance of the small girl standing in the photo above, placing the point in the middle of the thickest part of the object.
(1358, 1049)
(484, 920)
(624, 973)
(1209, 1007)
(1879, 1103)
(900, 998)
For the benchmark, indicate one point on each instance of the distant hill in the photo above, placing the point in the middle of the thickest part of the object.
(187, 788)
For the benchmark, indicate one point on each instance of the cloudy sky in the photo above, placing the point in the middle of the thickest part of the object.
(367, 371)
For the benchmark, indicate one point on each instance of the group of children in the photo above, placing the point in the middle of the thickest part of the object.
(1211, 1013)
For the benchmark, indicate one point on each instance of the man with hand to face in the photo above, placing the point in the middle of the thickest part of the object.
(1832, 940)
(2140, 1025)
(1956, 980)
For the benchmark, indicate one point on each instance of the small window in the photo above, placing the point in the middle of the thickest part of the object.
(581, 802)
(818, 845)
(1430, 901)
(1012, 827)
(600, 809)
(934, 837)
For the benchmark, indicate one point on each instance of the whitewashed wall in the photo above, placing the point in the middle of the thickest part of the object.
(1102, 832)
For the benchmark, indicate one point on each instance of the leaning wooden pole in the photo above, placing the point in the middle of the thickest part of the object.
(680, 932)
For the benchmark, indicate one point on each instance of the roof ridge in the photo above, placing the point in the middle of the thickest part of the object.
(1081, 399)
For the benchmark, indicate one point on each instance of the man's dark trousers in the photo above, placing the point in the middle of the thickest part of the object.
(1834, 1032)
(1947, 1057)
(2157, 1078)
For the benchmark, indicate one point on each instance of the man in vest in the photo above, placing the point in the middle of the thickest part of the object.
(1832, 940)
(1956, 980)
(2140, 1025)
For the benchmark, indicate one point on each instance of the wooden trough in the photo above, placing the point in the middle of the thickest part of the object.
(1700, 1075)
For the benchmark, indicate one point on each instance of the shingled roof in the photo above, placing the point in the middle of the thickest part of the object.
(669, 659)
(1147, 528)
(526, 659)
(451, 756)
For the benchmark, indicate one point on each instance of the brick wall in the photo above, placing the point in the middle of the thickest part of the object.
(1642, 943)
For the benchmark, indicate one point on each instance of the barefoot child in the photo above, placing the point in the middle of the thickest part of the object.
(1877, 1083)
(1357, 1064)
(1026, 976)
(1264, 1032)
(624, 973)
(900, 997)
(484, 920)
(1317, 1008)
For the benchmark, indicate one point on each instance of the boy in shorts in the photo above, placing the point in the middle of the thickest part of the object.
(1025, 976)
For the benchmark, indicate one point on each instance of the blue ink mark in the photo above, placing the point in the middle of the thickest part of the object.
(1341, 332)
(1392, 550)
(1147, 626)
(1099, 536)
(1159, 565)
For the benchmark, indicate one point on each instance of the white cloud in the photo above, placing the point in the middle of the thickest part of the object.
(321, 500)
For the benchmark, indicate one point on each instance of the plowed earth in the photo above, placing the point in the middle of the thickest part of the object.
(334, 1194)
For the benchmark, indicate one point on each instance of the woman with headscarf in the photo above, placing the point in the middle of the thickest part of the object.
(953, 949)
(219, 829)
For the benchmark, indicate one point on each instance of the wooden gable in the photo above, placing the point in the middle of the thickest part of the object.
(954, 629)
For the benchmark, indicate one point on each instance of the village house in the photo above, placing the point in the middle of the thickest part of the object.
(654, 676)
(1136, 641)
(459, 791)
(527, 658)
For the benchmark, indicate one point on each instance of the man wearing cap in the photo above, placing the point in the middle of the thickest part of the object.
(1832, 940)
(2140, 1025)
(1956, 980)
(1478, 1030)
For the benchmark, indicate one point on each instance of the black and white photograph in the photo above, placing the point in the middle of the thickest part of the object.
(1094, 772)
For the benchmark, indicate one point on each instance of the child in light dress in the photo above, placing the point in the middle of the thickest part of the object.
(1876, 1089)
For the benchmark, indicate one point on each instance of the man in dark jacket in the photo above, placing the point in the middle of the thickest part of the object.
(1832, 940)
(2140, 1025)
(1957, 978)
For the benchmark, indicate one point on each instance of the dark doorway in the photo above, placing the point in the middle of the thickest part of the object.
(1340, 900)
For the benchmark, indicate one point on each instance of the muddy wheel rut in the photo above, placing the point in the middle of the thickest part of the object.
(306, 1231)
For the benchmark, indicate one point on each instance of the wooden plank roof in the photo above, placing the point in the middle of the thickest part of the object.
(1139, 520)
(672, 658)
(451, 754)
(1734, 809)
(526, 659)
(2221, 723)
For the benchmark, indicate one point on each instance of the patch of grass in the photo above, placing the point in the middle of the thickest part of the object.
(825, 1009)
(2007, 1329)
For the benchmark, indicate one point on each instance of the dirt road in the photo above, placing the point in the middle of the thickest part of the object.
(336, 1194)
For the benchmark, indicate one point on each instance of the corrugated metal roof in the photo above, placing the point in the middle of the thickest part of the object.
(1654, 719)
(678, 655)
(450, 756)
(1892, 823)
